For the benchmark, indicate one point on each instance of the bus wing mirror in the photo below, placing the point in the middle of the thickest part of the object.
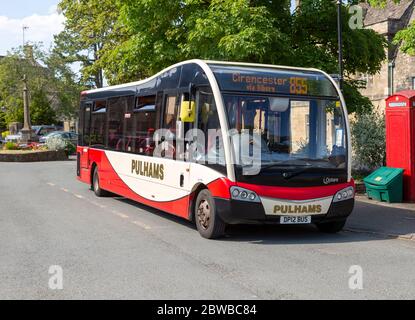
(187, 111)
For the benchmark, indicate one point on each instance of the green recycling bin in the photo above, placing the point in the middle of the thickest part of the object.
(385, 184)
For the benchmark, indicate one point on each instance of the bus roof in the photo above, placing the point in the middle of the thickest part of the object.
(209, 63)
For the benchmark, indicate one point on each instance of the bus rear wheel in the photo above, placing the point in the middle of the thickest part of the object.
(95, 185)
(331, 227)
(208, 223)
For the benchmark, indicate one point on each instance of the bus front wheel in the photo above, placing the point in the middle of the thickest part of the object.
(208, 223)
(95, 185)
(331, 227)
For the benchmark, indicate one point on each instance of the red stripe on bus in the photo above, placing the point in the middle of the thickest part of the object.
(296, 193)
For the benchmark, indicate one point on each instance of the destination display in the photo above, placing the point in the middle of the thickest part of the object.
(273, 81)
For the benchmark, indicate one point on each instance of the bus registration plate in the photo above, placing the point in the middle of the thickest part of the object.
(295, 219)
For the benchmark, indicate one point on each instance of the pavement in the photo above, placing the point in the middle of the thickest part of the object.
(113, 248)
(394, 220)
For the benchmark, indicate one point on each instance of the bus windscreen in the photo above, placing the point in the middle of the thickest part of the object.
(273, 81)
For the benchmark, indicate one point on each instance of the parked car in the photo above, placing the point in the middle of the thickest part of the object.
(43, 130)
(66, 135)
(37, 133)
(13, 137)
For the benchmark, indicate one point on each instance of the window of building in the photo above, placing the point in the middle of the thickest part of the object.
(413, 83)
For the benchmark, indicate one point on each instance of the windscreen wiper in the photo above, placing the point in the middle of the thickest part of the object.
(285, 163)
(292, 174)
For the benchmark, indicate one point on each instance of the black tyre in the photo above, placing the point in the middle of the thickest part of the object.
(331, 227)
(209, 224)
(96, 186)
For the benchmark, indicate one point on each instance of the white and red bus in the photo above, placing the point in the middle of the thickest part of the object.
(176, 142)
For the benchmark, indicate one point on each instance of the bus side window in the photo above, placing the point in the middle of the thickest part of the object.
(169, 121)
(86, 123)
(98, 123)
(208, 123)
(128, 123)
(144, 125)
(170, 113)
(115, 123)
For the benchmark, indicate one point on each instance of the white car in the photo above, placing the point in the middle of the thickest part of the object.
(13, 137)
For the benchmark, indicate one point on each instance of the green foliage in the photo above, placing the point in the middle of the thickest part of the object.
(242, 30)
(4, 134)
(70, 148)
(133, 39)
(90, 30)
(40, 109)
(3, 123)
(368, 139)
(406, 38)
(11, 146)
(356, 103)
(53, 92)
(57, 143)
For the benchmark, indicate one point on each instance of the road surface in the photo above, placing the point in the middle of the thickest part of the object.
(114, 248)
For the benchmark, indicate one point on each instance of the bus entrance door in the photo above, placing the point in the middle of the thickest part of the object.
(84, 158)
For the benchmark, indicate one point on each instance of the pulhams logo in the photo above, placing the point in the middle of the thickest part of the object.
(328, 180)
(147, 169)
(311, 208)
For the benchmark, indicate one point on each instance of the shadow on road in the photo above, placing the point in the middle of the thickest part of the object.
(268, 234)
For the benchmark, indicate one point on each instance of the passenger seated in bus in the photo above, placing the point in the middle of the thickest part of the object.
(112, 138)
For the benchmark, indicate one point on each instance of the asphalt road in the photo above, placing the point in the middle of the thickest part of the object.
(114, 248)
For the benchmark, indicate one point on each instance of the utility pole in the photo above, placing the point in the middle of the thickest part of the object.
(24, 28)
(340, 40)
(27, 127)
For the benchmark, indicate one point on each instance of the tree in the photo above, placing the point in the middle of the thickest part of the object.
(242, 30)
(90, 29)
(132, 39)
(53, 92)
(406, 38)
(40, 109)
(368, 139)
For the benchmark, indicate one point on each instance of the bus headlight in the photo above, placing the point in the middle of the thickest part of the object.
(242, 194)
(344, 194)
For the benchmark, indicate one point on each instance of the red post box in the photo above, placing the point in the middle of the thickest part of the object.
(400, 138)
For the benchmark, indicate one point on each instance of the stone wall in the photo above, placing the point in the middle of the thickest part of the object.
(377, 89)
(404, 70)
(32, 156)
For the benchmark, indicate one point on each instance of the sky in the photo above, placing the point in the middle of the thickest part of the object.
(40, 16)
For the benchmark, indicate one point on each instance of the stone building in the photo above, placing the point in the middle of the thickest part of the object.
(398, 71)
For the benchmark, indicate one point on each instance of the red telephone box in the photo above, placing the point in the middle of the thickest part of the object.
(400, 138)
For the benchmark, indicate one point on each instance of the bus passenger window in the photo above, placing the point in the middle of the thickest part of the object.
(116, 107)
(98, 124)
(208, 123)
(170, 114)
(144, 125)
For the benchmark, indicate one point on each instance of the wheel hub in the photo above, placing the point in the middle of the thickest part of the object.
(203, 214)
